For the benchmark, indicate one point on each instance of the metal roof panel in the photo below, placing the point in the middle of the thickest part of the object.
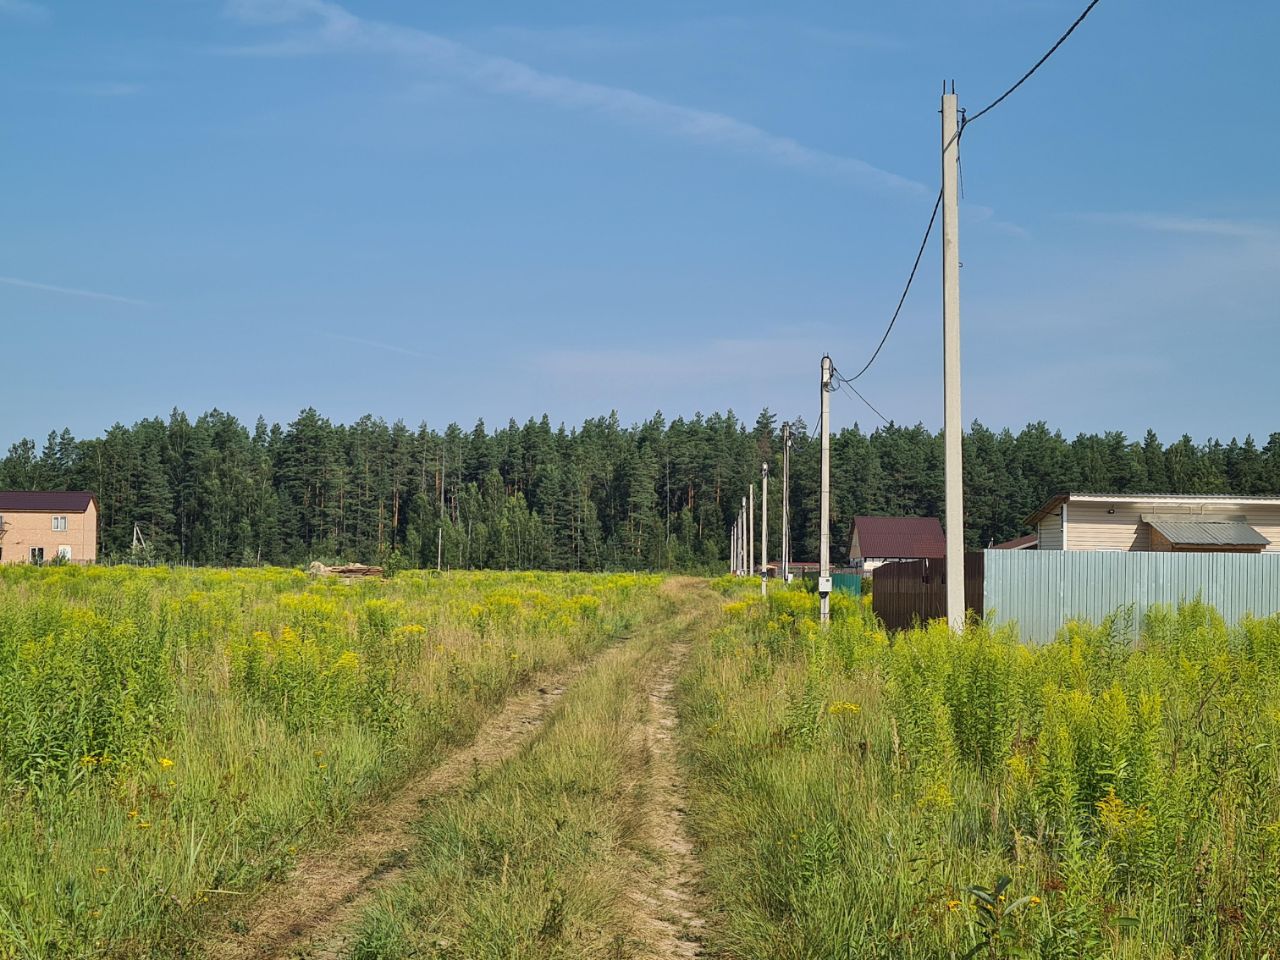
(45, 501)
(900, 538)
(1207, 533)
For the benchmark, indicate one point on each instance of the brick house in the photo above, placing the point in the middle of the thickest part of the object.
(38, 525)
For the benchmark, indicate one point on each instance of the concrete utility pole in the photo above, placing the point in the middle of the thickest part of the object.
(951, 425)
(742, 538)
(737, 543)
(751, 529)
(439, 548)
(764, 529)
(824, 513)
(786, 502)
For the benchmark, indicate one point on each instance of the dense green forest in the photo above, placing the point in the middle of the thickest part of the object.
(657, 494)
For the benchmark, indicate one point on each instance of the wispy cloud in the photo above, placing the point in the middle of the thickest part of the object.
(71, 291)
(590, 40)
(321, 27)
(107, 88)
(23, 10)
(1202, 226)
(376, 344)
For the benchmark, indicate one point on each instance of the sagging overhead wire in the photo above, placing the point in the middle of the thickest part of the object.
(905, 290)
(1038, 64)
(846, 383)
(965, 120)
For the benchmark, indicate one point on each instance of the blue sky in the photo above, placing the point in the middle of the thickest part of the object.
(456, 210)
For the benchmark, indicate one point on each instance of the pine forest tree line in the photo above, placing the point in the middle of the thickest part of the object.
(655, 495)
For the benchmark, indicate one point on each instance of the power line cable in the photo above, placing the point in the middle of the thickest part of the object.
(846, 383)
(1038, 64)
(965, 120)
(905, 290)
(870, 405)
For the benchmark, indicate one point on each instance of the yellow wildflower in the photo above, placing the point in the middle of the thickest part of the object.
(102, 870)
(165, 763)
(953, 904)
(1035, 901)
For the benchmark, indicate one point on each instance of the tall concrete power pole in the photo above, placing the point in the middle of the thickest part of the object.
(732, 548)
(824, 512)
(764, 529)
(786, 501)
(951, 424)
(743, 540)
(737, 559)
(751, 529)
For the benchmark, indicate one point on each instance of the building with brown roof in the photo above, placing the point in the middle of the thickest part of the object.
(877, 540)
(1029, 542)
(38, 525)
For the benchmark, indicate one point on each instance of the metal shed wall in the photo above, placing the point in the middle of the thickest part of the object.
(1043, 589)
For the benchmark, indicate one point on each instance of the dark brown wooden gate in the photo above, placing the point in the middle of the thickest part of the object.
(911, 591)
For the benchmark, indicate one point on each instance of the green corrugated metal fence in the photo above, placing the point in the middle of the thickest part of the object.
(847, 583)
(1043, 589)
(844, 582)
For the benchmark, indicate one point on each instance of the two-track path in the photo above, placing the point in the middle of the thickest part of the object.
(665, 893)
(312, 913)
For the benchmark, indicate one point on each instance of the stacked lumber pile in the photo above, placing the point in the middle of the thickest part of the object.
(347, 570)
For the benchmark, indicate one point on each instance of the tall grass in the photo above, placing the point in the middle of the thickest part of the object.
(169, 740)
(935, 794)
(534, 860)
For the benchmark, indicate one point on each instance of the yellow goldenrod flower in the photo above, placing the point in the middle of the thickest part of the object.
(133, 814)
(1035, 901)
(953, 904)
(165, 763)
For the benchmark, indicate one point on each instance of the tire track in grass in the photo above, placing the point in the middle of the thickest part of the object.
(666, 897)
(329, 888)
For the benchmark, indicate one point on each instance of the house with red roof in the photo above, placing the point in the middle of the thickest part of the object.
(878, 540)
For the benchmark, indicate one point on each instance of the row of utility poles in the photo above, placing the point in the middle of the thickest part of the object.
(742, 556)
(742, 543)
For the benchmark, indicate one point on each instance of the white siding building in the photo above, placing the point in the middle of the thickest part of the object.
(1158, 522)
